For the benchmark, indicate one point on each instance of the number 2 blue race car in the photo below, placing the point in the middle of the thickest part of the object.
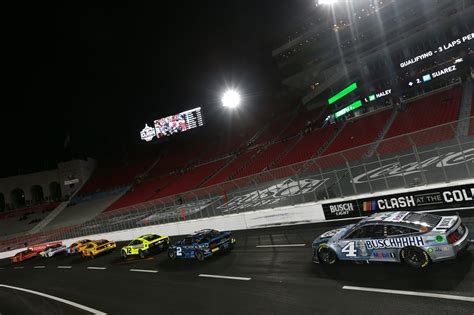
(414, 238)
(201, 245)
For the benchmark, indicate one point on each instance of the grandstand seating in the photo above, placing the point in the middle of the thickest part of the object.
(277, 126)
(107, 178)
(141, 192)
(81, 212)
(433, 110)
(299, 122)
(358, 132)
(23, 220)
(307, 146)
(264, 158)
(191, 179)
(231, 168)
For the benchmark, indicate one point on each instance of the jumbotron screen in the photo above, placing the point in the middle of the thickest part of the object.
(173, 124)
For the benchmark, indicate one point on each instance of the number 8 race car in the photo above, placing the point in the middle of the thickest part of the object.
(413, 238)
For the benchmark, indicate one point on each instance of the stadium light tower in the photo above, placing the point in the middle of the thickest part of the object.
(231, 99)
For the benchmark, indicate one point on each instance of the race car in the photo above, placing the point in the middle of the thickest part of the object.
(23, 255)
(202, 244)
(143, 245)
(77, 247)
(53, 250)
(414, 238)
(94, 248)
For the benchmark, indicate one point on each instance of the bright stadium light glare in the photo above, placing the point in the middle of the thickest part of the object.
(326, 2)
(231, 99)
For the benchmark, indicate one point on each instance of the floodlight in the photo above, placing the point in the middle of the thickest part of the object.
(231, 99)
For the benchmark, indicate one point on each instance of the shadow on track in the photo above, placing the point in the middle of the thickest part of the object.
(438, 276)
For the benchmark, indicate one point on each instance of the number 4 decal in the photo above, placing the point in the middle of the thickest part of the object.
(349, 250)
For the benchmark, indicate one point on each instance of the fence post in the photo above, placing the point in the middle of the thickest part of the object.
(415, 150)
(299, 184)
(442, 166)
(403, 172)
(350, 173)
(461, 150)
(380, 163)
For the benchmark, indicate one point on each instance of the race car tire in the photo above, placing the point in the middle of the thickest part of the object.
(199, 255)
(415, 257)
(142, 254)
(326, 256)
(124, 255)
(172, 254)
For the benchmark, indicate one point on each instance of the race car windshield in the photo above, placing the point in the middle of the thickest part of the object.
(423, 218)
(151, 237)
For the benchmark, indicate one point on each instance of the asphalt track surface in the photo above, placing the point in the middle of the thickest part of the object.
(268, 280)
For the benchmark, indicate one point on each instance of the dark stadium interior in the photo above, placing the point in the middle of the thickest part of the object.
(276, 120)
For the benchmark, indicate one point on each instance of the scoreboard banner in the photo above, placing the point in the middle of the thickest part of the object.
(432, 199)
(173, 124)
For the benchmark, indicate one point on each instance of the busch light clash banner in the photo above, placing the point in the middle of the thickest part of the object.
(433, 199)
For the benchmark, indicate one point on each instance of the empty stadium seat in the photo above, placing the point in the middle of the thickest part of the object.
(431, 111)
(359, 132)
(264, 158)
(307, 146)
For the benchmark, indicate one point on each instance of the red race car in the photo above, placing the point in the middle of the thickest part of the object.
(22, 256)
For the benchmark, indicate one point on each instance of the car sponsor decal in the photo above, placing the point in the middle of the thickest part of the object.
(440, 238)
(446, 223)
(398, 242)
(383, 254)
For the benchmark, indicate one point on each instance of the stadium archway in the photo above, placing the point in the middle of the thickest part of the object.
(37, 194)
(18, 197)
(2, 202)
(55, 191)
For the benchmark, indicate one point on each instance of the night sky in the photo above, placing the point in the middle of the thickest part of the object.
(99, 73)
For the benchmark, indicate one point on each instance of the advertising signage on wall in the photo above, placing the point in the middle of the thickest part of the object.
(423, 200)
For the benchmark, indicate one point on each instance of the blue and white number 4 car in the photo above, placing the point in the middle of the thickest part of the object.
(201, 244)
(414, 238)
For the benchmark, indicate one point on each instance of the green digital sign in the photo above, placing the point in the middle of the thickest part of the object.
(348, 109)
(342, 93)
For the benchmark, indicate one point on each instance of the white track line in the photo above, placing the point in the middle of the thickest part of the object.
(39, 267)
(413, 293)
(282, 245)
(64, 267)
(18, 267)
(224, 277)
(82, 307)
(144, 270)
(97, 268)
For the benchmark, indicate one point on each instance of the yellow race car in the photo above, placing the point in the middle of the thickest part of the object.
(77, 246)
(145, 244)
(94, 248)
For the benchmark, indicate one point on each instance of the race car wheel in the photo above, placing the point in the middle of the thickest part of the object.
(142, 254)
(415, 257)
(326, 255)
(199, 255)
(124, 255)
(172, 254)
